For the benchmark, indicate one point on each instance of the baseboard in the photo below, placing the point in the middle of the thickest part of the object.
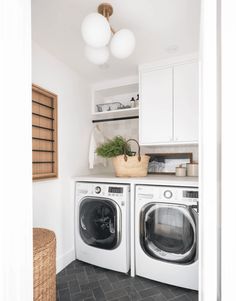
(64, 260)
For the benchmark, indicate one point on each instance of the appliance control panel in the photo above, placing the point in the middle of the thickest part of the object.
(102, 189)
(115, 189)
(172, 194)
(190, 194)
(109, 190)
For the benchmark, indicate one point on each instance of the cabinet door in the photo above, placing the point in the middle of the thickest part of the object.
(155, 124)
(186, 103)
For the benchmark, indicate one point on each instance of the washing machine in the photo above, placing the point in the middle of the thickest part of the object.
(102, 225)
(166, 234)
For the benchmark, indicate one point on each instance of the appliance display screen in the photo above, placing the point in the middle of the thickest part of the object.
(115, 189)
(190, 194)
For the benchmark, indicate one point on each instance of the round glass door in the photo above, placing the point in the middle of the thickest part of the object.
(99, 223)
(168, 232)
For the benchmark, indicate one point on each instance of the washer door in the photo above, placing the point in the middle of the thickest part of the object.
(168, 232)
(99, 223)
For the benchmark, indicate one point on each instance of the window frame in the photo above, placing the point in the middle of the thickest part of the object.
(54, 173)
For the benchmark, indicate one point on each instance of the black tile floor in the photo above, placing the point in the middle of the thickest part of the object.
(80, 281)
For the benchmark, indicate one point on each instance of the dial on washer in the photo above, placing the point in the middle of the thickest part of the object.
(168, 194)
(97, 189)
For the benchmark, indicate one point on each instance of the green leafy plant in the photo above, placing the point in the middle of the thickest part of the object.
(114, 147)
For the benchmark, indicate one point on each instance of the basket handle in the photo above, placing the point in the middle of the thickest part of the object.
(125, 155)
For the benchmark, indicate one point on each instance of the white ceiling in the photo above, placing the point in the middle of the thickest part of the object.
(159, 26)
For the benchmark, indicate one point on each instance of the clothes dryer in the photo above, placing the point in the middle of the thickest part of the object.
(166, 234)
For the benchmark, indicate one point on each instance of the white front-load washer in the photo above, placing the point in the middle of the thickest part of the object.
(102, 225)
(166, 234)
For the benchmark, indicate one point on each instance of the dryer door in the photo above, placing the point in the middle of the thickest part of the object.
(99, 222)
(169, 232)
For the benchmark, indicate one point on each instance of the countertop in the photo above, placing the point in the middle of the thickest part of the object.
(165, 180)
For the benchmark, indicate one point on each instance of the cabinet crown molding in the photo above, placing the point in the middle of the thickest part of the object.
(170, 62)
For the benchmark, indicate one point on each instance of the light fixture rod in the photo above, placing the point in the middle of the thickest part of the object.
(112, 29)
(106, 10)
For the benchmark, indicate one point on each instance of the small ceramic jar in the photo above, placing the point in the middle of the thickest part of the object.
(180, 171)
(192, 170)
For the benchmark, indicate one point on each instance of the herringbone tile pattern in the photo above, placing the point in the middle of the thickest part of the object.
(80, 281)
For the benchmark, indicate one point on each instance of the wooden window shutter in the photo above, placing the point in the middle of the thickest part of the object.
(44, 133)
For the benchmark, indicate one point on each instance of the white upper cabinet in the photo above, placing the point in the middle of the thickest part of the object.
(186, 102)
(156, 106)
(168, 103)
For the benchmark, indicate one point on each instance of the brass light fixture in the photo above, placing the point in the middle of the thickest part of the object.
(106, 10)
(98, 33)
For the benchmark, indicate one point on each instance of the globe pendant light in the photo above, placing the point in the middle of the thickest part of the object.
(97, 56)
(122, 43)
(96, 32)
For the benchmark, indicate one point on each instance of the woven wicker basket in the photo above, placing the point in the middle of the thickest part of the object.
(131, 166)
(44, 265)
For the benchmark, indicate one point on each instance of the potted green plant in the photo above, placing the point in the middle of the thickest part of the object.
(125, 162)
(114, 147)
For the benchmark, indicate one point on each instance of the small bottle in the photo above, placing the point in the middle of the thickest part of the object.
(137, 101)
(132, 102)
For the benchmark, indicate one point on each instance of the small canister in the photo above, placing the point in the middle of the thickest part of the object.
(192, 169)
(180, 171)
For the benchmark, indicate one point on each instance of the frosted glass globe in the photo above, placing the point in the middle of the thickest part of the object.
(98, 56)
(122, 43)
(96, 30)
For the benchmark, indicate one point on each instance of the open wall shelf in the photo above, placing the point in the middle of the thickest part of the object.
(110, 97)
(117, 113)
(123, 114)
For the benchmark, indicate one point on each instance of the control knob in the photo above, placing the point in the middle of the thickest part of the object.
(168, 194)
(98, 189)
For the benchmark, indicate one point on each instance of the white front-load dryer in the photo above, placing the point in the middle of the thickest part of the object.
(102, 225)
(166, 234)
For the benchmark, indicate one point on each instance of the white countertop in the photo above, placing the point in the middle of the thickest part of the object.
(166, 180)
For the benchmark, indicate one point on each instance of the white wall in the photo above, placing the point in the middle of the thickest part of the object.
(16, 256)
(53, 199)
(210, 153)
(228, 143)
